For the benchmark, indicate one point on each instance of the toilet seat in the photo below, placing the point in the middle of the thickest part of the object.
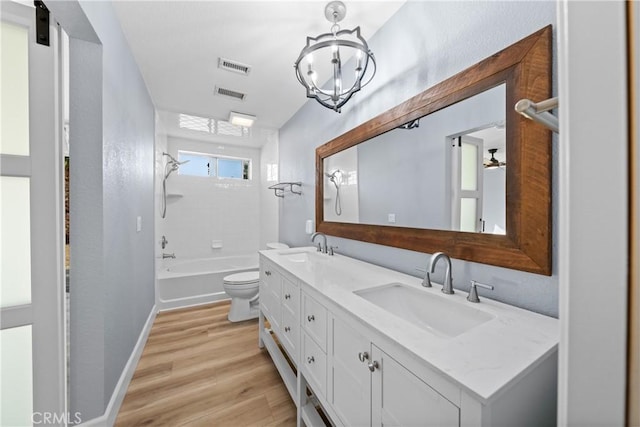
(243, 290)
(245, 278)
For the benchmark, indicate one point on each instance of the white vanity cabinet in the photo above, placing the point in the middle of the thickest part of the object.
(366, 367)
(280, 306)
(369, 387)
(280, 303)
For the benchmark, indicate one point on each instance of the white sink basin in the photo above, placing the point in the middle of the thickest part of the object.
(301, 256)
(431, 312)
(298, 257)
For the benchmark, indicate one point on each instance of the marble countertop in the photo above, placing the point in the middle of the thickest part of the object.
(482, 360)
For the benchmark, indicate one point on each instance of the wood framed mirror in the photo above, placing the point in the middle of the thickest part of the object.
(522, 70)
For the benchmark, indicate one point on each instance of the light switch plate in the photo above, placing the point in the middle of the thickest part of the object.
(138, 224)
(392, 218)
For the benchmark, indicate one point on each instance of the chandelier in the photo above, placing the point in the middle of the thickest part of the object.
(321, 60)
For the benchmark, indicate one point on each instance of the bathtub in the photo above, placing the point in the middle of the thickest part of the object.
(186, 282)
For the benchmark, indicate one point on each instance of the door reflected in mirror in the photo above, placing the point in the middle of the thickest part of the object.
(435, 172)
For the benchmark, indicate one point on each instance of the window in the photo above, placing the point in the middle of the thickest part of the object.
(200, 164)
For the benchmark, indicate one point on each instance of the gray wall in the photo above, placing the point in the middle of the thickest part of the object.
(421, 45)
(111, 159)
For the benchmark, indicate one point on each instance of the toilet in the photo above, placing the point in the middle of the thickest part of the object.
(243, 290)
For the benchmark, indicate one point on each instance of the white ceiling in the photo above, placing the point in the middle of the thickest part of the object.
(177, 45)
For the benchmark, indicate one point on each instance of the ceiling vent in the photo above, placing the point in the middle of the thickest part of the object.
(239, 96)
(236, 67)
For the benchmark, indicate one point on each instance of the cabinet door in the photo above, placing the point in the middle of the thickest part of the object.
(314, 320)
(399, 398)
(314, 365)
(271, 278)
(350, 378)
(291, 296)
(290, 332)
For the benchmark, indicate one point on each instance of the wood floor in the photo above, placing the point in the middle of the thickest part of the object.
(199, 369)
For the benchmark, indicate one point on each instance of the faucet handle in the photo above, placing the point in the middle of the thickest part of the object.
(331, 248)
(426, 281)
(319, 247)
(473, 291)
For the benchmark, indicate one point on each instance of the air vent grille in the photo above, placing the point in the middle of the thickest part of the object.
(230, 93)
(236, 67)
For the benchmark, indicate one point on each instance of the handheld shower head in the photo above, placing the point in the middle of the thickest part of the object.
(335, 177)
(172, 164)
(171, 158)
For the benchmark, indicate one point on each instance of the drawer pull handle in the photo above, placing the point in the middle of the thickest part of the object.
(311, 318)
(373, 366)
(310, 359)
(287, 329)
(287, 296)
(363, 356)
(268, 273)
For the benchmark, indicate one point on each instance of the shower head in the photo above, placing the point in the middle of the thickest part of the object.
(173, 161)
(172, 165)
(175, 165)
(335, 177)
(171, 158)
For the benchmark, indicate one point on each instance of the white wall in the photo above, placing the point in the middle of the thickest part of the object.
(111, 181)
(161, 146)
(268, 201)
(421, 45)
(207, 209)
(593, 213)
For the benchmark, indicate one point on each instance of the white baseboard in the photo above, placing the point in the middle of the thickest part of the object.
(173, 304)
(111, 413)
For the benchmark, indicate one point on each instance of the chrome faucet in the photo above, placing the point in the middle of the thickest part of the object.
(168, 255)
(447, 286)
(321, 248)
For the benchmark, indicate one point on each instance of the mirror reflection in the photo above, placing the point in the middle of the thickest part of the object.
(445, 171)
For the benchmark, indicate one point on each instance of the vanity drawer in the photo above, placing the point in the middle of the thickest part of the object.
(290, 333)
(314, 365)
(291, 296)
(314, 320)
(270, 277)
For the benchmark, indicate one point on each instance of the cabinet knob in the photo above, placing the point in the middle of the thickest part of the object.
(311, 318)
(287, 329)
(287, 296)
(310, 359)
(363, 356)
(268, 273)
(373, 366)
